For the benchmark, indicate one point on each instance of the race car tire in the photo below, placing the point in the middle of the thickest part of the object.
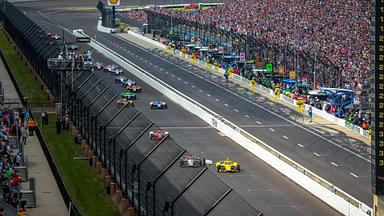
(220, 169)
(238, 168)
(165, 106)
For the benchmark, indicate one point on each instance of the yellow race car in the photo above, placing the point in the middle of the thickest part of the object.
(227, 165)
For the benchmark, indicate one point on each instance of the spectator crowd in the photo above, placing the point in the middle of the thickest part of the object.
(337, 30)
(14, 124)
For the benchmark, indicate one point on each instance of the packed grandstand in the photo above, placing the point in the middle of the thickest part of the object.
(337, 30)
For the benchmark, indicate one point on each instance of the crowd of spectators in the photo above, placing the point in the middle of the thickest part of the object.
(337, 30)
(137, 15)
(13, 124)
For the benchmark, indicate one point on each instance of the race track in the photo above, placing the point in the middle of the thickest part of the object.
(261, 186)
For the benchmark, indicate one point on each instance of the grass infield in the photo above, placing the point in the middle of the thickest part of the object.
(83, 183)
(29, 87)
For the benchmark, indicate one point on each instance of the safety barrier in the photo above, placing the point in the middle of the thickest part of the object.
(246, 83)
(324, 190)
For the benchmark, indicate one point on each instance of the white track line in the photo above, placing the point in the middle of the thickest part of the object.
(334, 164)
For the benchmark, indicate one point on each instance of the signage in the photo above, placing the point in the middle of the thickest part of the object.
(292, 75)
(378, 106)
(242, 57)
(83, 39)
(113, 2)
(269, 67)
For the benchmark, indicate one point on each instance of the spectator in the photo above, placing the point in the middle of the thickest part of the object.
(310, 114)
(24, 134)
(2, 212)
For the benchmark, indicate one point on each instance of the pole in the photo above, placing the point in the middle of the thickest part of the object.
(113, 16)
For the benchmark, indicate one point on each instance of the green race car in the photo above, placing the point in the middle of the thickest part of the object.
(128, 95)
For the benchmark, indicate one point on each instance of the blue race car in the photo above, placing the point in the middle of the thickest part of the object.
(158, 104)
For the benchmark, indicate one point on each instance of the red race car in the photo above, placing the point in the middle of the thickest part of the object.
(157, 134)
(133, 88)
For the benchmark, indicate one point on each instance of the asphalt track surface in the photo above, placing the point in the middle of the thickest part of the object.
(264, 188)
(332, 156)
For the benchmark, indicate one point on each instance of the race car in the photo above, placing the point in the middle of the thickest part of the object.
(128, 95)
(113, 69)
(56, 37)
(128, 82)
(157, 134)
(191, 161)
(98, 65)
(227, 165)
(133, 88)
(120, 79)
(158, 104)
(124, 101)
(117, 71)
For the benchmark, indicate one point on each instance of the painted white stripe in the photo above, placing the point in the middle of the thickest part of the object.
(300, 145)
(208, 95)
(236, 110)
(271, 129)
(285, 137)
(354, 175)
(193, 86)
(316, 154)
(258, 122)
(200, 90)
(217, 100)
(334, 164)
(226, 105)
(246, 116)
(186, 83)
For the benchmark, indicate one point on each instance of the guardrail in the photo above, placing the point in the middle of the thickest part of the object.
(246, 83)
(319, 187)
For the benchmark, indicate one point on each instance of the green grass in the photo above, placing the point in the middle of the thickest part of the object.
(83, 183)
(29, 87)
